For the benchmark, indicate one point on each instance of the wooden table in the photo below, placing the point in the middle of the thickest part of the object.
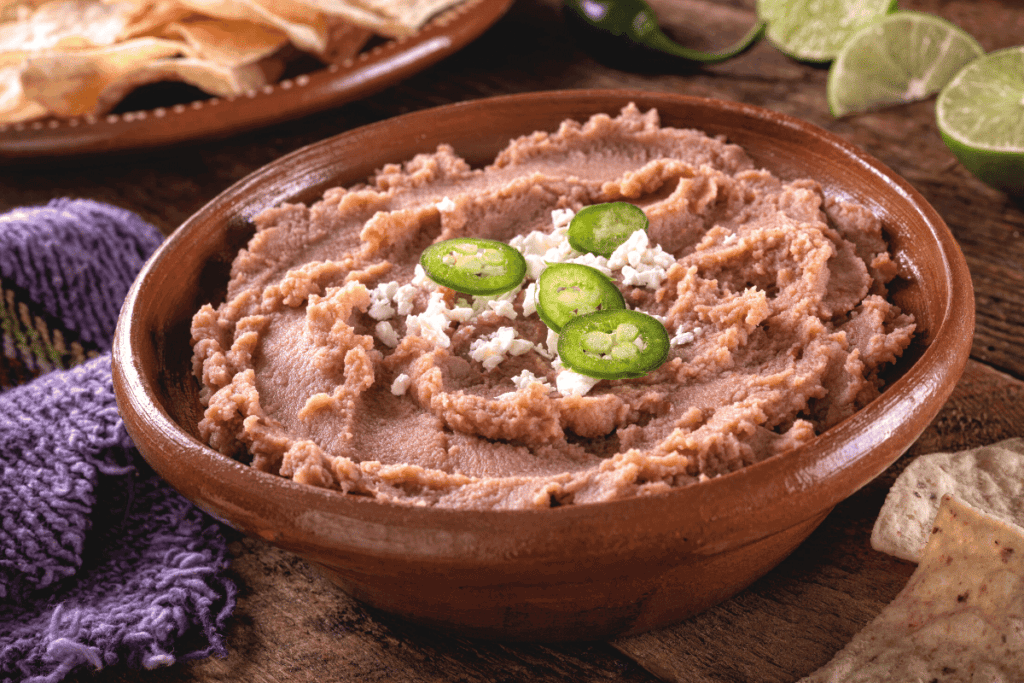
(292, 625)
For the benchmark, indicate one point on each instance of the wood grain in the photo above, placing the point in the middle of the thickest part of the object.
(292, 625)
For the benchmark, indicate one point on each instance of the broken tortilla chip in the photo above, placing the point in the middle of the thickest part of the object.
(229, 43)
(69, 83)
(63, 24)
(150, 16)
(306, 29)
(411, 14)
(959, 619)
(990, 478)
(344, 41)
(210, 77)
(384, 17)
(14, 106)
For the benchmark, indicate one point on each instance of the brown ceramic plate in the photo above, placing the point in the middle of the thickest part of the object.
(372, 70)
(573, 572)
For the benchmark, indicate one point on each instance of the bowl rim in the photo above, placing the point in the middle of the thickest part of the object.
(799, 472)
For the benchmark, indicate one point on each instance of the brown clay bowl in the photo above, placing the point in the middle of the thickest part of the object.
(574, 572)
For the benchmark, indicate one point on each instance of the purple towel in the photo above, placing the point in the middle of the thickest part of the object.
(101, 562)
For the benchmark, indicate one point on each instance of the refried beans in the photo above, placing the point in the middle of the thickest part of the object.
(336, 362)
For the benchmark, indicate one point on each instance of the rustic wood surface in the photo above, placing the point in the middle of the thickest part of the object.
(292, 625)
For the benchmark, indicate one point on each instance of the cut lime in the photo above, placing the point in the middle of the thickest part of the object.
(814, 30)
(904, 57)
(980, 114)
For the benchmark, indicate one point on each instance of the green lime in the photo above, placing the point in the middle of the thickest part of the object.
(903, 57)
(814, 30)
(980, 114)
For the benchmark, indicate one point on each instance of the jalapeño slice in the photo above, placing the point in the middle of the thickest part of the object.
(613, 344)
(473, 265)
(600, 228)
(567, 290)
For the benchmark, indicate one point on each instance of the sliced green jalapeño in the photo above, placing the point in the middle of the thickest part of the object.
(613, 344)
(473, 265)
(567, 290)
(600, 228)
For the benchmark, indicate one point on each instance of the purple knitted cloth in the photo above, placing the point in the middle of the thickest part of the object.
(101, 562)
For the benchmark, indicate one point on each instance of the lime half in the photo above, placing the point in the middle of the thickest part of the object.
(814, 30)
(980, 114)
(903, 57)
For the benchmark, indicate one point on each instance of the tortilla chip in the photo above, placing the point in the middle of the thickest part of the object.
(357, 16)
(229, 43)
(70, 83)
(65, 24)
(384, 17)
(306, 28)
(411, 13)
(959, 619)
(14, 105)
(13, 10)
(990, 478)
(151, 16)
(210, 77)
(344, 41)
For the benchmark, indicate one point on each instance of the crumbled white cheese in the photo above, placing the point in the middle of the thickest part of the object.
(561, 218)
(503, 307)
(594, 261)
(729, 239)
(650, 278)
(401, 384)
(445, 205)
(432, 324)
(380, 301)
(538, 242)
(552, 343)
(535, 265)
(381, 309)
(386, 333)
(460, 314)
(641, 264)
(684, 336)
(421, 279)
(491, 349)
(540, 248)
(523, 380)
(571, 383)
(404, 299)
(530, 299)
(502, 304)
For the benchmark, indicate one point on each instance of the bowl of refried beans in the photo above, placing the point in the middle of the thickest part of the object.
(293, 363)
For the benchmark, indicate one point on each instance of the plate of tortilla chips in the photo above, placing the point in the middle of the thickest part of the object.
(93, 76)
